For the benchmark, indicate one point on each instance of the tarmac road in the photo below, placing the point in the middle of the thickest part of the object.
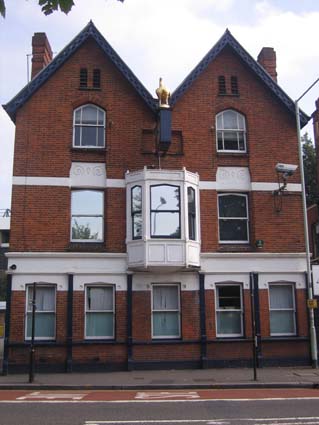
(202, 407)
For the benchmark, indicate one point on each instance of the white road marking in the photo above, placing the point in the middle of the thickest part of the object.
(157, 395)
(52, 396)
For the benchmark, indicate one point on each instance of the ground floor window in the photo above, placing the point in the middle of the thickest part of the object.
(99, 311)
(166, 311)
(45, 313)
(282, 309)
(229, 310)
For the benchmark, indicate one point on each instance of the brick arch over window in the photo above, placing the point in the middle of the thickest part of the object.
(89, 121)
(231, 131)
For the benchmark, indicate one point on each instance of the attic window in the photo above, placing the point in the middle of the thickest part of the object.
(83, 77)
(234, 85)
(96, 78)
(221, 85)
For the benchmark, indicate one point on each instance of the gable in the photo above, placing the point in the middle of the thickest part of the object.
(227, 40)
(89, 31)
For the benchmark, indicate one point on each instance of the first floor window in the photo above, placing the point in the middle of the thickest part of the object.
(229, 310)
(45, 304)
(233, 218)
(166, 311)
(165, 211)
(282, 309)
(87, 215)
(99, 311)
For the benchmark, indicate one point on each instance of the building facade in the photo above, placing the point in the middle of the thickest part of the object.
(155, 230)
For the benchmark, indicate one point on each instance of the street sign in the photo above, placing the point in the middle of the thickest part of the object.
(312, 303)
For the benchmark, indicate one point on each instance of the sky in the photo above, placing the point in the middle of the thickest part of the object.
(162, 38)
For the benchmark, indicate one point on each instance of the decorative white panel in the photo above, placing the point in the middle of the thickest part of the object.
(233, 178)
(156, 253)
(135, 253)
(86, 174)
(175, 253)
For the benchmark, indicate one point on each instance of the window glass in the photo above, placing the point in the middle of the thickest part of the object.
(44, 326)
(233, 218)
(229, 310)
(165, 211)
(99, 312)
(230, 131)
(87, 215)
(191, 213)
(136, 211)
(165, 311)
(89, 127)
(282, 309)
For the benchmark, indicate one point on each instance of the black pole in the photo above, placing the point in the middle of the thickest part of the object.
(69, 355)
(5, 363)
(202, 313)
(253, 325)
(129, 323)
(31, 364)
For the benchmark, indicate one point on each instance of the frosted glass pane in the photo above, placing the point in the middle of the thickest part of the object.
(165, 298)
(165, 324)
(229, 322)
(281, 296)
(99, 298)
(44, 325)
(99, 324)
(282, 322)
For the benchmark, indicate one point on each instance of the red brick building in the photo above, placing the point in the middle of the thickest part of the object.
(147, 227)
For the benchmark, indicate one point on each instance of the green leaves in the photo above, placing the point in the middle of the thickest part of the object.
(48, 6)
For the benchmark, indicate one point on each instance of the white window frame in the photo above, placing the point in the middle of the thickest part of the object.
(80, 146)
(236, 130)
(37, 312)
(178, 311)
(87, 311)
(87, 215)
(243, 195)
(293, 309)
(220, 309)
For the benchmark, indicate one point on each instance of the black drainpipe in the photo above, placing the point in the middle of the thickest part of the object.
(203, 336)
(129, 322)
(5, 363)
(69, 358)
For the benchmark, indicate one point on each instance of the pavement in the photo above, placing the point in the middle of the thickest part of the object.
(270, 377)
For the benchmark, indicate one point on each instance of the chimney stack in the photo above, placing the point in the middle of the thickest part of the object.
(267, 59)
(41, 53)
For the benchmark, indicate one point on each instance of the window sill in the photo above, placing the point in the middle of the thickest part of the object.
(95, 150)
(90, 88)
(236, 248)
(229, 94)
(228, 154)
(86, 246)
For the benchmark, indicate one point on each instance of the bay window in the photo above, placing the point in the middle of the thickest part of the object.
(136, 211)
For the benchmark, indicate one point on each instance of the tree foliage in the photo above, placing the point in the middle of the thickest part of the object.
(47, 6)
(310, 169)
(82, 231)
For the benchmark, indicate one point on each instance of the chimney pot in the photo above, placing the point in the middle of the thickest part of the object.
(41, 53)
(267, 59)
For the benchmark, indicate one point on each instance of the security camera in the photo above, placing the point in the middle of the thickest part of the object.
(13, 267)
(286, 169)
